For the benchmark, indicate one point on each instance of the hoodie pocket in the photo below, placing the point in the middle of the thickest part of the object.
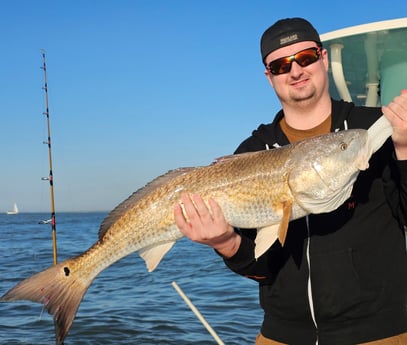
(341, 289)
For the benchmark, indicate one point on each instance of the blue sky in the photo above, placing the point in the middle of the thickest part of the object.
(136, 88)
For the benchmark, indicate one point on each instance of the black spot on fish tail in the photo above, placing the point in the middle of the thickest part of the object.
(58, 289)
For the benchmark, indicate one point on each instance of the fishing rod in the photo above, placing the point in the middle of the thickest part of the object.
(50, 178)
(197, 313)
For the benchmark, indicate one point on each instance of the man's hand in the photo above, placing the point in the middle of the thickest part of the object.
(396, 113)
(206, 224)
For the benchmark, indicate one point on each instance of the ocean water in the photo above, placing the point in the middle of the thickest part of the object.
(125, 304)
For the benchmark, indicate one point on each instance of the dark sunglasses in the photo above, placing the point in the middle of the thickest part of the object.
(303, 58)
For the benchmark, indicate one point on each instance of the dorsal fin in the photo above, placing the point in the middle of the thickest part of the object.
(120, 209)
(235, 156)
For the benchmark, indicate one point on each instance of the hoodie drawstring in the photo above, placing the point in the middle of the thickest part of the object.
(310, 300)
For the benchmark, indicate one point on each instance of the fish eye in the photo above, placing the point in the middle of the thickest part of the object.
(343, 146)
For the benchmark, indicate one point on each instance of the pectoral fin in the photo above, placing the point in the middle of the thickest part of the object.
(282, 231)
(267, 235)
(153, 255)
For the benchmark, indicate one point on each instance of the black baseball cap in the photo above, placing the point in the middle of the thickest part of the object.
(285, 32)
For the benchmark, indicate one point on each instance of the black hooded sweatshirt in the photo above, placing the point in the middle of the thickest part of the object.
(341, 277)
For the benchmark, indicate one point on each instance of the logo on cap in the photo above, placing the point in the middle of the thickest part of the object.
(288, 39)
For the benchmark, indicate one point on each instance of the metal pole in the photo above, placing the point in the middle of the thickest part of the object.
(50, 178)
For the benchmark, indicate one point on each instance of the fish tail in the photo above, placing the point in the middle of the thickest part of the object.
(58, 290)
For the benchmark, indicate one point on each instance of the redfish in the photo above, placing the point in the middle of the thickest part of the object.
(263, 190)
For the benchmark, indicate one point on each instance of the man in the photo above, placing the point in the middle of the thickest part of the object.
(341, 277)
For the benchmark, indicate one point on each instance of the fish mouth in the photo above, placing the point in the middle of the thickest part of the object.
(362, 163)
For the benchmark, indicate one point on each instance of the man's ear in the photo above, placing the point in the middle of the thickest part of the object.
(269, 77)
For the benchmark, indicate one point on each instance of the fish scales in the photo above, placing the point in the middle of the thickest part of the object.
(262, 190)
(241, 185)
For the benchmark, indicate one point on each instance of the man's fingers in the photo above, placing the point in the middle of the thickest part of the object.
(189, 207)
(216, 210)
(179, 218)
(201, 208)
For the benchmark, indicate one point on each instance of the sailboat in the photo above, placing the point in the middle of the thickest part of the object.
(14, 210)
